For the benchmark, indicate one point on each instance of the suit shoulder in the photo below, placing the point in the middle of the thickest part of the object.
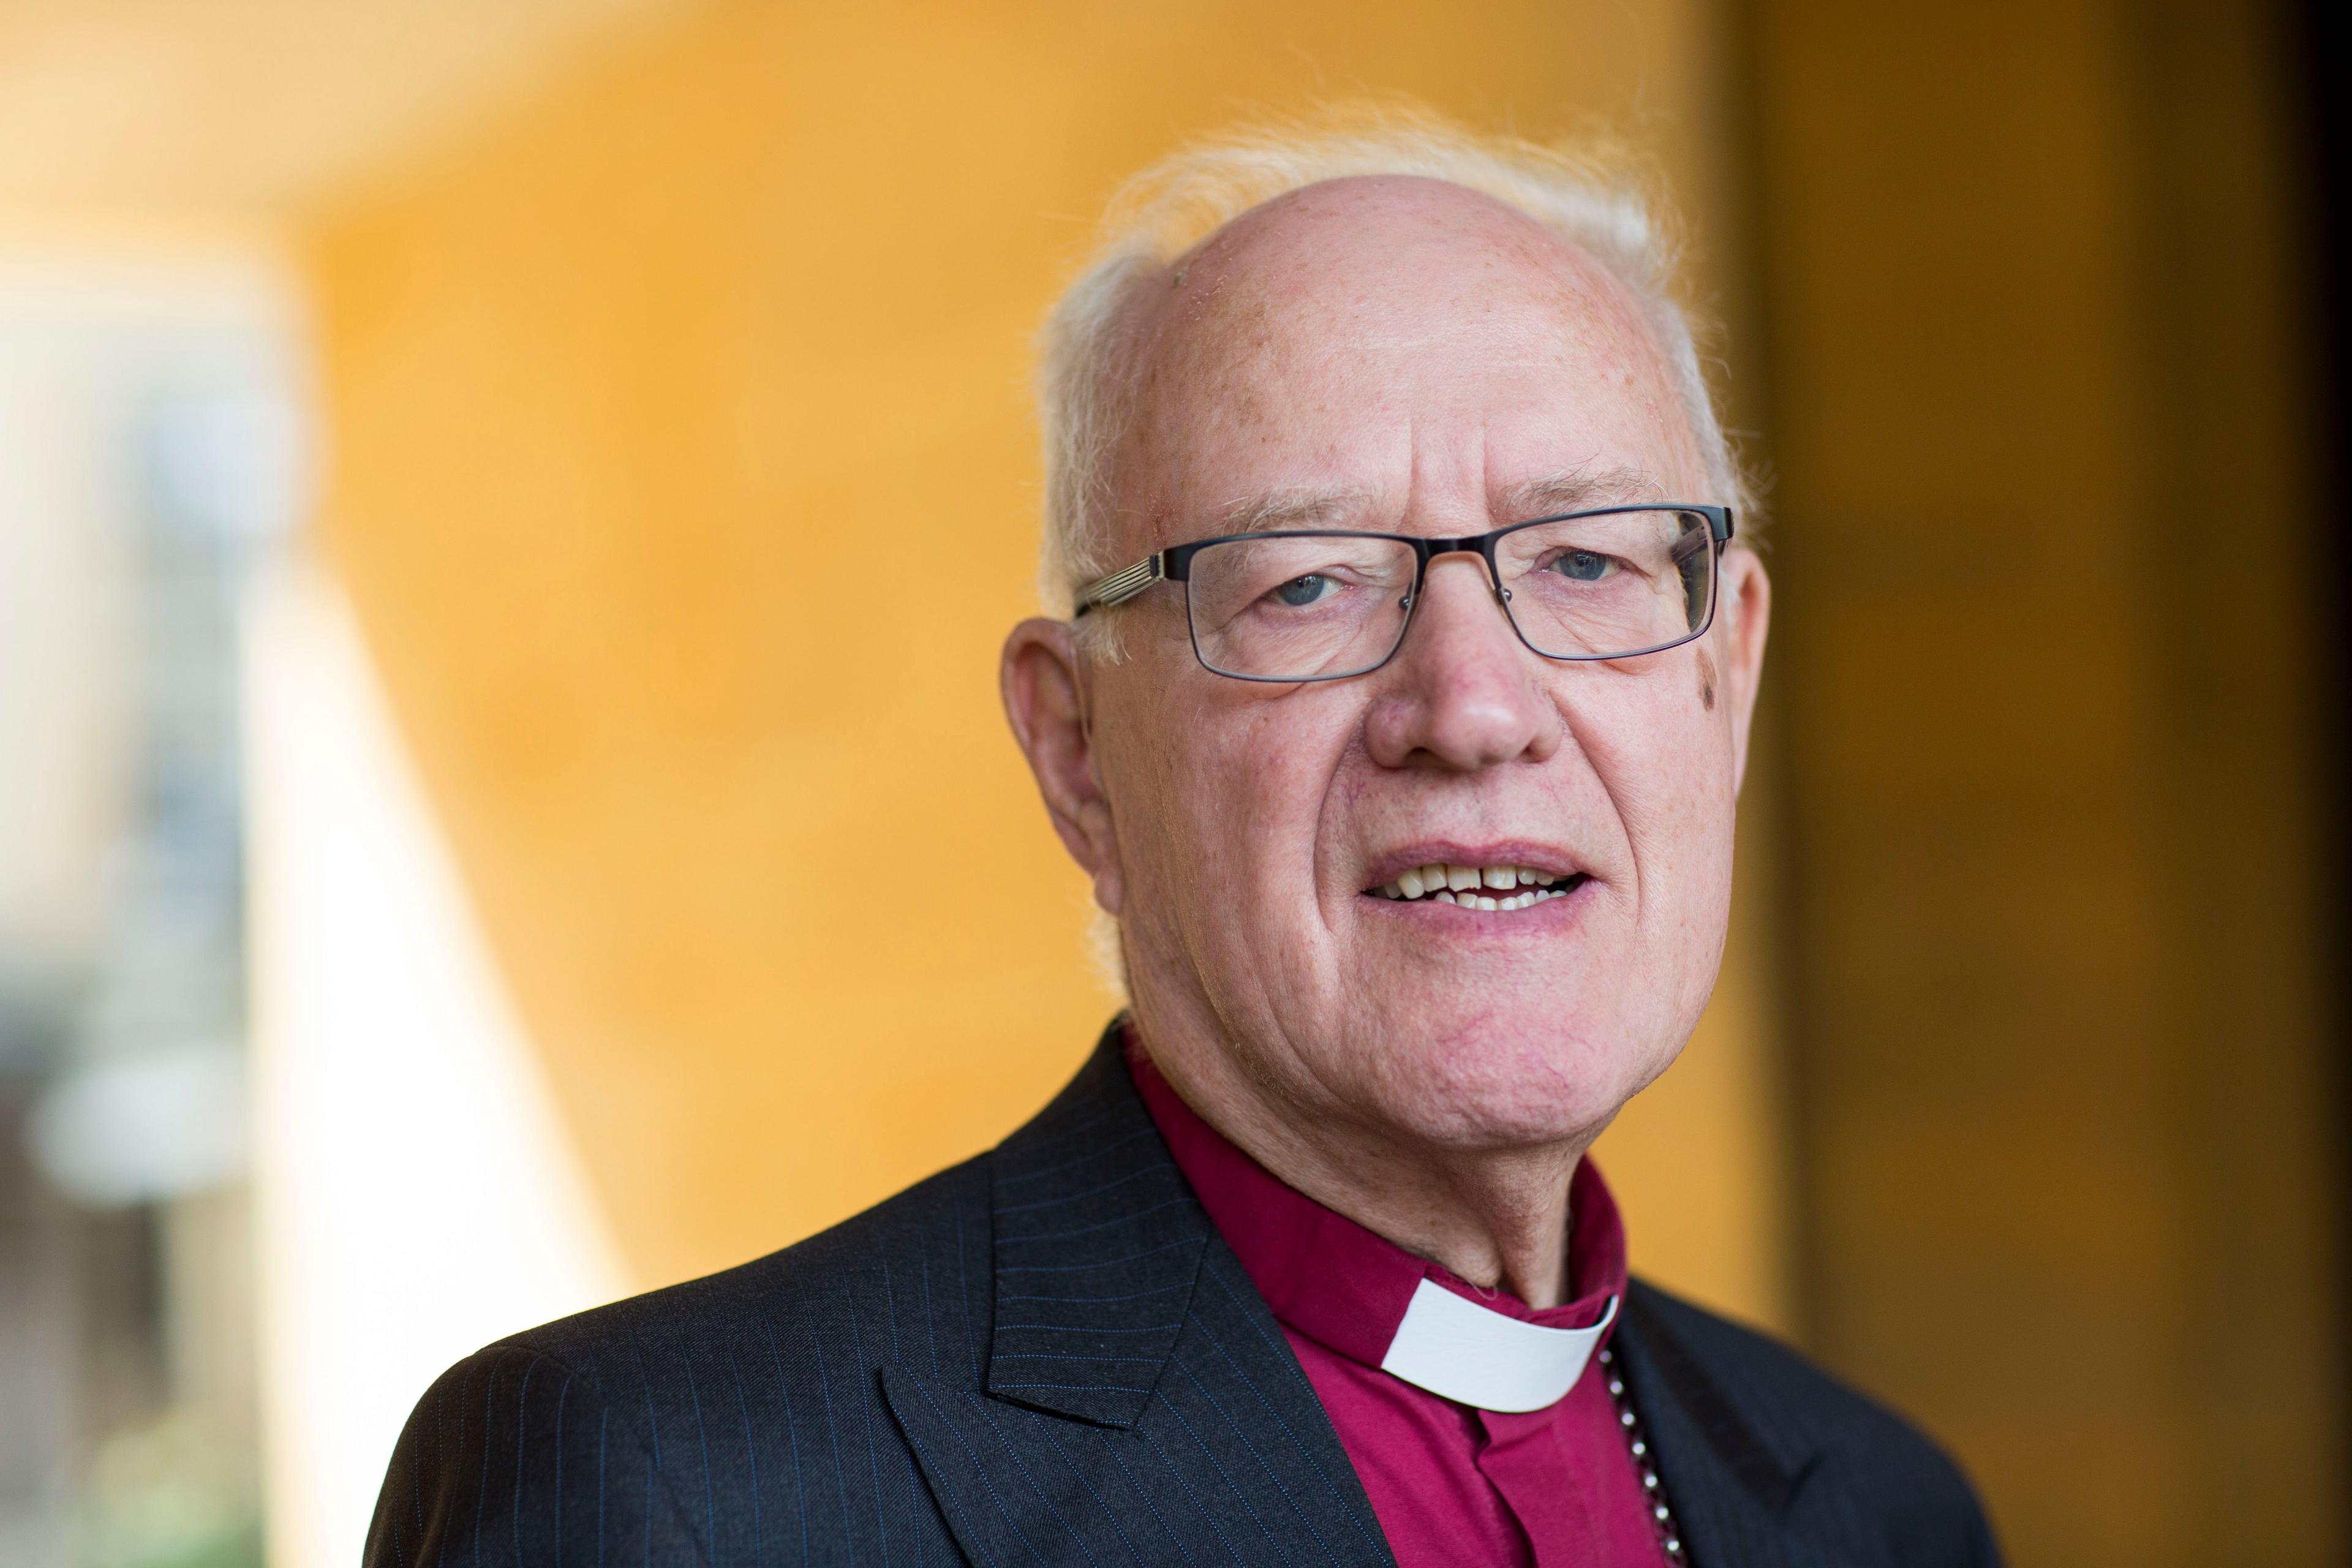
(656, 1397)
(1796, 1407)
(1767, 1377)
(933, 1231)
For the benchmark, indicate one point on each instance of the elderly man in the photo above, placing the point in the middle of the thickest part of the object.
(1399, 722)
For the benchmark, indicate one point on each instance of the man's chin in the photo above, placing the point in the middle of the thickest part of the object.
(1490, 1088)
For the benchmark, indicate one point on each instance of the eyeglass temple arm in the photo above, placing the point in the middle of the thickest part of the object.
(1690, 545)
(1120, 586)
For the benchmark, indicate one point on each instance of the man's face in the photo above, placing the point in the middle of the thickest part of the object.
(1413, 358)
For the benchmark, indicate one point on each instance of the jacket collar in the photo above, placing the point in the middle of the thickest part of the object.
(1729, 1478)
(1098, 1242)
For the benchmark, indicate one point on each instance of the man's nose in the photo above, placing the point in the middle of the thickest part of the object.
(1463, 692)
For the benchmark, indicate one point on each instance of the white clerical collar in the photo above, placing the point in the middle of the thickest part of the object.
(1461, 1351)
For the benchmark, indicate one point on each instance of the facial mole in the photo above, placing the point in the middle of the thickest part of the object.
(1706, 680)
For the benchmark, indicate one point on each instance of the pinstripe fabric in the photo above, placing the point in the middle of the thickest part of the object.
(1046, 1355)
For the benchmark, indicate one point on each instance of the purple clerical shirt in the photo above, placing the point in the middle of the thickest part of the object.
(1452, 1486)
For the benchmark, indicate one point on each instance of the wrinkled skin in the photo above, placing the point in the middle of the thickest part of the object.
(1432, 358)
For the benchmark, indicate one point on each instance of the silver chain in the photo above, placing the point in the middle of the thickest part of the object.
(1661, 1517)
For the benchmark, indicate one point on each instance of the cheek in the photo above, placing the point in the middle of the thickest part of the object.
(1246, 790)
(1663, 751)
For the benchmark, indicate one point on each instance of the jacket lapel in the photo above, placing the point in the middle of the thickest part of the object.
(1140, 1403)
(1729, 1487)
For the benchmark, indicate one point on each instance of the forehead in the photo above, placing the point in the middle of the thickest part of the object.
(1384, 336)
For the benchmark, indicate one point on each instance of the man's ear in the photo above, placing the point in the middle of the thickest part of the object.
(1045, 700)
(1743, 615)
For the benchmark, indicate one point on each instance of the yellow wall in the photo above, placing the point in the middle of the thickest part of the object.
(683, 476)
(2064, 964)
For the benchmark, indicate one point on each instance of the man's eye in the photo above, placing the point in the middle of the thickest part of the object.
(1304, 590)
(1584, 565)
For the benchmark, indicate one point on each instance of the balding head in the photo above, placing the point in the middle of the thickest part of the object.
(1207, 204)
(1422, 287)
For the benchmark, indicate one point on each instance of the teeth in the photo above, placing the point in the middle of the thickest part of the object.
(1467, 886)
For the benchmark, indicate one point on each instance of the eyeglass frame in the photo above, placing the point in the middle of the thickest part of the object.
(1174, 564)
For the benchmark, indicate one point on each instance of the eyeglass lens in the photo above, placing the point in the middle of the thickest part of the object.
(1310, 607)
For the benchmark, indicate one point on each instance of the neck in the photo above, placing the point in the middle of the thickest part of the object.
(1496, 1217)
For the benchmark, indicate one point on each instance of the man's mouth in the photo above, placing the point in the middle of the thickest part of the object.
(1496, 887)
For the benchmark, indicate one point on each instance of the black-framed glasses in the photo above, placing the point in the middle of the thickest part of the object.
(1294, 604)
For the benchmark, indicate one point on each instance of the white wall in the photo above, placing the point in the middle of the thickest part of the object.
(418, 1196)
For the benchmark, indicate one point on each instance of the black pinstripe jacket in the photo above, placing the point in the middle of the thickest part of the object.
(1048, 1355)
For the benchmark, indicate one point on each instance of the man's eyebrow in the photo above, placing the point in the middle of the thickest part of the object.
(1305, 506)
(1318, 505)
(1578, 489)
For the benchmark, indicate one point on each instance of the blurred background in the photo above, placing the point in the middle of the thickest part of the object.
(471, 808)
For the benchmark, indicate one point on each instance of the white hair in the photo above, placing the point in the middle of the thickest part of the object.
(1087, 374)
